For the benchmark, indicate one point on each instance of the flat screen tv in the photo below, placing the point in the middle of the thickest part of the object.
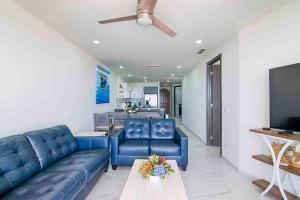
(285, 98)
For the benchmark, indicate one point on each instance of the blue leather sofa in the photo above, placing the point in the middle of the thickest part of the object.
(51, 164)
(141, 138)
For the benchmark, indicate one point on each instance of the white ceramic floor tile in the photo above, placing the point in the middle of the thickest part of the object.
(208, 177)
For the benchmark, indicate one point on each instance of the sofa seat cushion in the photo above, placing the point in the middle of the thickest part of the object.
(164, 147)
(87, 161)
(49, 186)
(134, 148)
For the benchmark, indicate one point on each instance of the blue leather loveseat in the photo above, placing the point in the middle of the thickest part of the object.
(51, 164)
(141, 138)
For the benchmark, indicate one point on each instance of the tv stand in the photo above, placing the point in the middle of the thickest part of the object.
(288, 140)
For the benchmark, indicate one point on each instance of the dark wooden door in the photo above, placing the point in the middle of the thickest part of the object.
(216, 105)
(165, 100)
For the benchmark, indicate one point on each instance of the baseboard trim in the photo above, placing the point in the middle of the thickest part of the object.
(231, 163)
(197, 136)
(250, 176)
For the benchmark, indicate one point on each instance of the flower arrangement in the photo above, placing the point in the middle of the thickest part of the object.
(155, 166)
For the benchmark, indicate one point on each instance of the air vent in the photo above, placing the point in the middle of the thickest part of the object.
(153, 66)
(201, 51)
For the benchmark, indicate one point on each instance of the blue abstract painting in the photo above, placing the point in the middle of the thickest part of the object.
(102, 85)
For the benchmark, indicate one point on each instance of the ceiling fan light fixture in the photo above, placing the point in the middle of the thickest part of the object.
(143, 19)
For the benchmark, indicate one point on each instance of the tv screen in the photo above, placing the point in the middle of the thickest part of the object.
(285, 98)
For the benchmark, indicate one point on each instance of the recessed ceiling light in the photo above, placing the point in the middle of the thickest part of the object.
(166, 84)
(121, 67)
(172, 74)
(96, 42)
(145, 77)
(198, 41)
(153, 66)
(129, 75)
(179, 67)
(168, 81)
(145, 80)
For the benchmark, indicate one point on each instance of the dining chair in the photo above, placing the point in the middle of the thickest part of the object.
(101, 122)
(119, 120)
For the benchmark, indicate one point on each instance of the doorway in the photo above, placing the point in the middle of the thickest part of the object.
(165, 100)
(177, 101)
(214, 103)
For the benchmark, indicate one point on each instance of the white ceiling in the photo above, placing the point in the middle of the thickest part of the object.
(133, 46)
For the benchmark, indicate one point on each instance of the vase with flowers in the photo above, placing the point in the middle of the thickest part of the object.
(155, 168)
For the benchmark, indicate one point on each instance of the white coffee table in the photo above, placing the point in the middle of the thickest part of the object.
(138, 188)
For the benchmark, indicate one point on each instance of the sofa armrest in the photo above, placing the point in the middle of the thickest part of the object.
(182, 139)
(180, 135)
(116, 140)
(118, 136)
(92, 142)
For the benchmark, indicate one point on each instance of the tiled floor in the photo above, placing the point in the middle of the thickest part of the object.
(208, 177)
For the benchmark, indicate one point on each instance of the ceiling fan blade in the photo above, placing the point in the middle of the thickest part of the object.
(163, 27)
(120, 19)
(149, 5)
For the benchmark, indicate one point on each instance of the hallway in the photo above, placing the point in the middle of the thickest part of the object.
(207, 177)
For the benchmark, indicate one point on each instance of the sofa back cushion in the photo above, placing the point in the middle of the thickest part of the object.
(163, 129)
(137, 129)
(18, 162)
(52, 144)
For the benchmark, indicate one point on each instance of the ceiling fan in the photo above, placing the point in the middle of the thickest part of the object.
(144, 17)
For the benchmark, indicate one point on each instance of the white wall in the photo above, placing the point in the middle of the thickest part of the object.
(271, 42)
(45, 80)
(194, 98)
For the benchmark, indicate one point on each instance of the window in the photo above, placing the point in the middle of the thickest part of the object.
(151, 100)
